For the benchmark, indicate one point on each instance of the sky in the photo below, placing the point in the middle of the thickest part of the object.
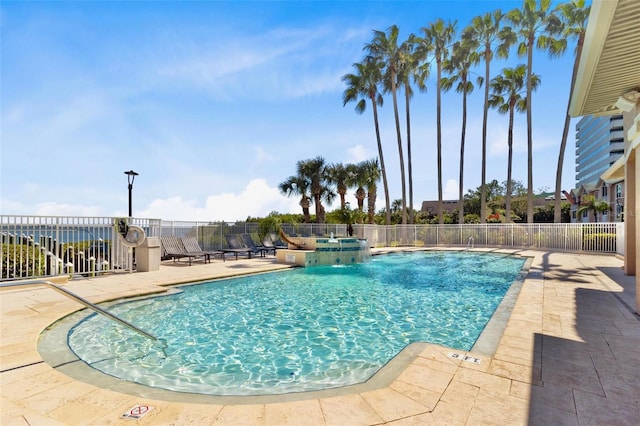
(214, 102)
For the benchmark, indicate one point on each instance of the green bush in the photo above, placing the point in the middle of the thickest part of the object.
(18, 261)
(605, 242)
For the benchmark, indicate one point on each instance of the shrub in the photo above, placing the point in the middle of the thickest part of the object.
(605, 242)
(19, 263)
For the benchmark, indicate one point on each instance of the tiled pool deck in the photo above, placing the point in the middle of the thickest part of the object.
(570, 354)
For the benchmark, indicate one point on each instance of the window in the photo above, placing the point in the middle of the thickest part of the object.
(604, 191)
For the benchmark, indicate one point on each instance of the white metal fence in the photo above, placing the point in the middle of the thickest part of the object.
(41, 246)
(572, 237)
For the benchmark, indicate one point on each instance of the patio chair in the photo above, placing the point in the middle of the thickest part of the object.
(236, 247)
(173, 248)
(278, 242)
(248, 242)
(268, 245)
(191, 246)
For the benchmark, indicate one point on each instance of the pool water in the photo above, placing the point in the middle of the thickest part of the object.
(299, 330)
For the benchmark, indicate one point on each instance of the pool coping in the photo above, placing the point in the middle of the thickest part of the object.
(63, 359)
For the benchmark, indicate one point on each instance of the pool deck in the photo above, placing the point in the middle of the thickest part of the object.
(570, 354)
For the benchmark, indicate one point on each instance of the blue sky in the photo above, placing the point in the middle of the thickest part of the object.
(214, 102)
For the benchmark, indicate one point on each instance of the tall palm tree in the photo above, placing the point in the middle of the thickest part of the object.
(440, 36)
(488, 30)
(507, 91)
(463, 57)
(534, 25)
(298, 186)
(385, 47)
(372, 174)
(409, 67)
(315, 171)
(363, 86)
(338, 174)
(574, 16)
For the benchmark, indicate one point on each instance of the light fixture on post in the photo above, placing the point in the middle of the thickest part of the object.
(131, 175)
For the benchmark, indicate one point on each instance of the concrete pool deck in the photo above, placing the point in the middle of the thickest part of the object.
(570, 354)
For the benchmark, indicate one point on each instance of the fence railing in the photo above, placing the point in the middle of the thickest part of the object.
(571, 237)
(43, 246)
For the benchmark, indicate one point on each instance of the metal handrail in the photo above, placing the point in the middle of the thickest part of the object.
(80, 300)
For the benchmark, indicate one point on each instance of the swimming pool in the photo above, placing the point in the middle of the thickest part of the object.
(299, 330)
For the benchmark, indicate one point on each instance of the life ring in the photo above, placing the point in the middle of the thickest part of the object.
(134, 237)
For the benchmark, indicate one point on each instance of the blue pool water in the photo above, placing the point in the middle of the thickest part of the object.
(299, 330)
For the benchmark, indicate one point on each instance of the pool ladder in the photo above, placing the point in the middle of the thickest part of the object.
(470, 243)
(73, 296)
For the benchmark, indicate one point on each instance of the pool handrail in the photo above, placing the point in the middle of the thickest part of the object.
(81, 300)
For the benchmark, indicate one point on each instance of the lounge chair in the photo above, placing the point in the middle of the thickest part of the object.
(235, 247)
(191, 246)
(278, 242)
(268, 245)
(248, 242)
(173, 248)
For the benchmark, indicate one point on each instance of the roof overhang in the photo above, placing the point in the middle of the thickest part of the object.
(615, 173)
(610, 61)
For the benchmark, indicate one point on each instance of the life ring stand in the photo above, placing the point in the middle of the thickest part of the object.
(135, 236)
(129, 235)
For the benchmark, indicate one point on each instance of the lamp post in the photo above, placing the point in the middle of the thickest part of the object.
(131, 175)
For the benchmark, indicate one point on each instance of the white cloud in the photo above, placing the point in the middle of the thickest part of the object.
(450, 190)
(358, 153)
(258, 199)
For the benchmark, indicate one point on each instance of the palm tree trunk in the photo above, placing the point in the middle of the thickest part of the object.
(485, 113)
(464, 128)
(439, 139)
(529, 133)
(406, 97)
(400, 154)
(557, 205)
(304, 203)
(509, 161)
(371, 205)
(382, 169)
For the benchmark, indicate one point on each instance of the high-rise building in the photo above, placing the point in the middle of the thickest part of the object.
(599, 143)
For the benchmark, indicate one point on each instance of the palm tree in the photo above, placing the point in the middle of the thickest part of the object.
(534, 27)
(574, 15)
(372, 176)
(298, 186)
(365, 83)
(359, 179)
(507, 90)
(315, 171)
(590, 204)
(338, 174)
(384, 46)
(409, 67)
(487, 29)
(463, 57)
(439, 35)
